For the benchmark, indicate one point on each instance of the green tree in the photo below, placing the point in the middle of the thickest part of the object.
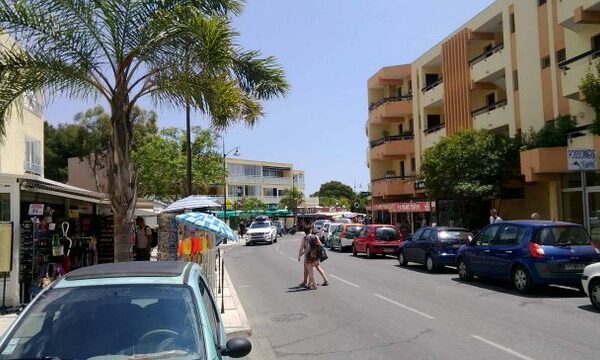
(590, 88)
(292, 198)
(554, 133)
(61, 142)
(335, 189)
(472, 164)
(175, 52)
(161, 163)
(253, 204)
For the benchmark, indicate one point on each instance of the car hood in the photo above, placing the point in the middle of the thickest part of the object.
(258, 231)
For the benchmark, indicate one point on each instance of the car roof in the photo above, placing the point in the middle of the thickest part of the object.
(445, 228)
(129, 270)
(540, 223)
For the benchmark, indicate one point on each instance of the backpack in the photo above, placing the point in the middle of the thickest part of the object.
(154, 239)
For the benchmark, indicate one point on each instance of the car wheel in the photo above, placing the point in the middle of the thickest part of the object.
(521, 280)
(463, 270)
(402, 259)
(429, 264)
(369, 254)
(594, 292)
(354, 253)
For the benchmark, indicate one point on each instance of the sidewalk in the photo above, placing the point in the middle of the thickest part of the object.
(5, 322)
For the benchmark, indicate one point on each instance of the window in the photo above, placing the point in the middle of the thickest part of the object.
(487, 235)
(515, 80)
(402, 170)
(4, 207)
(211, 310)
(541, 2)
(563, 235)
(413, 165)
(512, 22)
(243, 170)
(561, 55)
(545, 62)
(433, 121)
(386, 234)
(490, 99)
(426, 235)
(508, 235)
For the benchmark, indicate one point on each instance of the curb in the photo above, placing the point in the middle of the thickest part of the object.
(245, 329)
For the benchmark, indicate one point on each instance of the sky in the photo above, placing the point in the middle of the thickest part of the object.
(328, 49)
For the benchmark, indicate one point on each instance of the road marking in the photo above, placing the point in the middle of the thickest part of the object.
(405, 307)
(503, 348)
(344, 281)
(291, 258)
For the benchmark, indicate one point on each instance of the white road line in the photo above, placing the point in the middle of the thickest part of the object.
(344, 281)
(503, 348)
(405, 307)
(291, 258)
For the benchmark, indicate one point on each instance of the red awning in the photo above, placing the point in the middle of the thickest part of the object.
(405, 207)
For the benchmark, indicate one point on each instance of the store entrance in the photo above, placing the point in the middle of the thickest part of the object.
(594, 219)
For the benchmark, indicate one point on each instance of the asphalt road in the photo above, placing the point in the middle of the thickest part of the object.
(374, 309)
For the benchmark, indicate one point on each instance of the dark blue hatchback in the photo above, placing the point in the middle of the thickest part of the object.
(528, 253)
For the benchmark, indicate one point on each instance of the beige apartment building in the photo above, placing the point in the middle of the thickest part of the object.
(510, 69)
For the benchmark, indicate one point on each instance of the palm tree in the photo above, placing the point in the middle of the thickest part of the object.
(292, 199)
(174, 51)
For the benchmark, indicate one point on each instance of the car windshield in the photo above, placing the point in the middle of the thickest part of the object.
(108, 322)
(352, 231)
(563, 235)
(453, 235)
(319, 223)
(261, 225)
(386, 233)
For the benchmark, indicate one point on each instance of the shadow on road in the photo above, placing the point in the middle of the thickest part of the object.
(591, 308)
(540, 292)
(296, 289)
(375, 257)
(423, 269)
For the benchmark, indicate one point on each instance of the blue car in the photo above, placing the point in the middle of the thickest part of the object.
(136, 310)
(433, 246)
(528, 253)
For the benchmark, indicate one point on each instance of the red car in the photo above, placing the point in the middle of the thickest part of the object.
(377, 239)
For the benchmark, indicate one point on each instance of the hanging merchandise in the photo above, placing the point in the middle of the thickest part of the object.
(57, 247)
(66, 260)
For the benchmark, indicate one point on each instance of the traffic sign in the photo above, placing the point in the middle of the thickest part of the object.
(581, 159)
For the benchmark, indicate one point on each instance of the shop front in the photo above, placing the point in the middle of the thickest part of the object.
(410, 216)
(55, 228)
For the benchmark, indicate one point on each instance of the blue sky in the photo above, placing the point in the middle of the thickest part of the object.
(328, 48)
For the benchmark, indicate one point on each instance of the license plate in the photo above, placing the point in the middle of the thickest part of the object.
(389, 250)
(572, 267)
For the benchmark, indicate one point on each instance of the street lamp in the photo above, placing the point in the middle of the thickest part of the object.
(236, 152)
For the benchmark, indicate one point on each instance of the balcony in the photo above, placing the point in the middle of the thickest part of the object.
(272, 180)
(392, 147)
(573, 70)
(432, 135)
(390, 75)
(575, 14)
(432, 85)
(33, 168)
(488, 65)
(390, 110)
(542, 164)
(491, 116)
(393, 186)
(244, 180)
(433, 94)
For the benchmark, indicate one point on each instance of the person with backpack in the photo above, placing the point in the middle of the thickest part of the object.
(145, 240)
(312, 248)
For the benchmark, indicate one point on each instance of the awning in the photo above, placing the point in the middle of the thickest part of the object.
(404, 207)
(240, 213)
(191, 203)
(46, 186)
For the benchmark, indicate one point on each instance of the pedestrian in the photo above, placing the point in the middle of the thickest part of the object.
(535, 216)
(494, 216)
(242, 229)
(308, 247)
(143, 239)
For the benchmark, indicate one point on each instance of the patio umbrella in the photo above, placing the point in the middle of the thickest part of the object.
(209, 223)
(191, 203)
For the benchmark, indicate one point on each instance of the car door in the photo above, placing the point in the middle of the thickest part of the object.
(423, 245)
(409, 246)
(503, 250)
(479, 254)
(360, 239)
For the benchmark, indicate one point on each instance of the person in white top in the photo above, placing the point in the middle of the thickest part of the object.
(143, 240)
(494, 216)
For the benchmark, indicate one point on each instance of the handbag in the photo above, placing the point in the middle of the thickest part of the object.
(322, 253)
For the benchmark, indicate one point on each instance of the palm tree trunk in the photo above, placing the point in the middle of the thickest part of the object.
(121, 180)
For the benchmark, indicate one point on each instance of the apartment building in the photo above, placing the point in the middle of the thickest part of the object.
(263, 180)
(510, 69)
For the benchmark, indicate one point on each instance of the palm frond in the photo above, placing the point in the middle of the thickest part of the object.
(263, 78)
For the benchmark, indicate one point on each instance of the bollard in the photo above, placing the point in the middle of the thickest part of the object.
(222, 292)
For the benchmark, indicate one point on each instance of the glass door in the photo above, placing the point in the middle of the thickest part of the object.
(4, 206)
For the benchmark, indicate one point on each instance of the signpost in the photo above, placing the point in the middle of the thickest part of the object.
(583, 160)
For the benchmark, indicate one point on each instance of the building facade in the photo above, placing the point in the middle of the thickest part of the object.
(264, 180)
(511, 69)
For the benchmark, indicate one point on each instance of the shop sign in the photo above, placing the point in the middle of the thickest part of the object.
(6, 247)
(419, 184)
(73, 213)
(36, 209)
(407, 207)
(581, 159)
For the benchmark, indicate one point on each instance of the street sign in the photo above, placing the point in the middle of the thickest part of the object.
(581, 159)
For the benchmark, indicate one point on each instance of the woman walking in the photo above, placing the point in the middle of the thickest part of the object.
(309, 248)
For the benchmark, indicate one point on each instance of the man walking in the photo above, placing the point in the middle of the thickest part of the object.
(494, 218)
(143, 239)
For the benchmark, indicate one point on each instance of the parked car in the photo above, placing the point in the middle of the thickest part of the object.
(434, 247)
(377, 239)
(344, 235)
(328, 234)
(261, 232)
(322, 234)
(130, 310)
(318, 224)
(528, 253)
(590, 282)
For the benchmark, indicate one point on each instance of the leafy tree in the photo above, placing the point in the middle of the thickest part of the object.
(253, 204)
(335, 201)
(60, 143)
(176, 52)
(161, 163)
(292, 198)
(473, 164)
(590, 88)
(554, 133)
(335, 189)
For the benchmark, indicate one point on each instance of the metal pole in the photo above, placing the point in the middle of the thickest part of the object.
(584, 202)
(219, 271)
(224, 186)
(222, 292)
(188, 136)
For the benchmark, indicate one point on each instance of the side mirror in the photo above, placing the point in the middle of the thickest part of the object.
(237, 347)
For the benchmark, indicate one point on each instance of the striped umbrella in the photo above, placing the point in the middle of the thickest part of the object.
(193, 202)
(209, 223)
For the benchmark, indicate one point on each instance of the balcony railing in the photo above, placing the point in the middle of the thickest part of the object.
(391, 178)
(486, 54)
(591, 54)
(489, 108)
(33, 168)
(378, 103)
(383, 140)
(433, 129)
(432, 85)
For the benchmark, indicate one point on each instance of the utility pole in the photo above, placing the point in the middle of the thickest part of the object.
(188, 136)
